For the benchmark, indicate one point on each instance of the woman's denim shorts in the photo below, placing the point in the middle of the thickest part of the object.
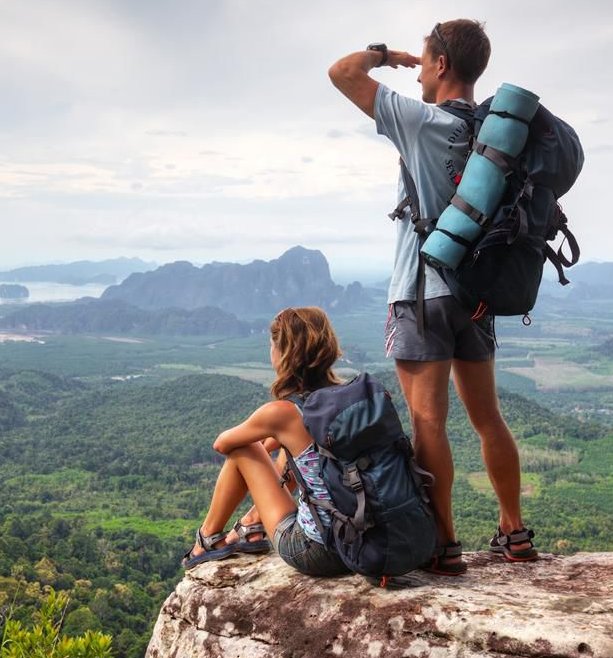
(305, 554)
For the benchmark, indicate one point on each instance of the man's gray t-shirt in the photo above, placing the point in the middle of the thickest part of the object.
(433, 144)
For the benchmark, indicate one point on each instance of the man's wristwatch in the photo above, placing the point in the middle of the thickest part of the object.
(380, 47)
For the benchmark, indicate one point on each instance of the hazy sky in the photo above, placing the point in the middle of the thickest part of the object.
(208, 130)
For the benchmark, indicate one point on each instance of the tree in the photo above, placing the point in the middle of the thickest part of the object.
(45, 639)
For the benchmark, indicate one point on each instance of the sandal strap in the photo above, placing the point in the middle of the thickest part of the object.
(244, 531)
(452, 549)
(516, 537)
(208, 543)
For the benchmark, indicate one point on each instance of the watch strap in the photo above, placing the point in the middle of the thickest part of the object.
(381, 48)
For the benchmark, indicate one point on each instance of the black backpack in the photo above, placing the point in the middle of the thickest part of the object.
(382, 524)
(501, 273)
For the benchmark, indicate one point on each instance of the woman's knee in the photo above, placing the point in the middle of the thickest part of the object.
(251, 450)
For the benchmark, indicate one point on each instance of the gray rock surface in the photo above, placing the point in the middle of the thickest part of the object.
(256, 607)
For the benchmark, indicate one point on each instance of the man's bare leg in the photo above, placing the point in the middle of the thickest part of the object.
(476, 386)
(425, 386)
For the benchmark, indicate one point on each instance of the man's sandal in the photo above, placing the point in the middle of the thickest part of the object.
(443, 561)
(244, 532)
(503, 544)
(207, 544)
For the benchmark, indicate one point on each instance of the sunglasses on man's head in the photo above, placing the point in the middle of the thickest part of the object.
(437, 34)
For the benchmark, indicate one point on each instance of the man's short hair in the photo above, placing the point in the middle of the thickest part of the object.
(464, 44)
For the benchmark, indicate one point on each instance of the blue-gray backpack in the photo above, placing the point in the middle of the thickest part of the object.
(382, 524)
(501, 273)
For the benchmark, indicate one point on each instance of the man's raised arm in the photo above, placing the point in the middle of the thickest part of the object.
(350, 75)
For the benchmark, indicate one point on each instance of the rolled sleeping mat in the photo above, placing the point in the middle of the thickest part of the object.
(483, 181)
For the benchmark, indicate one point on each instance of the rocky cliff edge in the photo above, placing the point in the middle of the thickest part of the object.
(256, 607)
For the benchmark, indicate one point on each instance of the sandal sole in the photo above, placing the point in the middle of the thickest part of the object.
(515, 558)
(210, 556)
(510, 557)
(253, 547)
(438, 572)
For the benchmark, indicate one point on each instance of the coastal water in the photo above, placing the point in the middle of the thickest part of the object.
(46, 291)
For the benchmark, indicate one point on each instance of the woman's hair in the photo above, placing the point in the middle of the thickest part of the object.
(307, 348)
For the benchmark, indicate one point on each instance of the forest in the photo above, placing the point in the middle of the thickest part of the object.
(104, 484)
(107, 462)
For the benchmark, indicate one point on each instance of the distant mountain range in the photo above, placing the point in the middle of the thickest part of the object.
(587, 281)
(89, 315)
(181, 299)
(106, 272)
(300, 277)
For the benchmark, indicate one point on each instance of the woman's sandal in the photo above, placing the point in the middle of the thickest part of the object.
(207, 544)
(243, 545)
(444, 560)
(501, 543)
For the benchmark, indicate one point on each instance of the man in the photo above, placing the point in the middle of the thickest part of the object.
(430, 344)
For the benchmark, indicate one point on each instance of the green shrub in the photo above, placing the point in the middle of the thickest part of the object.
(46, 640)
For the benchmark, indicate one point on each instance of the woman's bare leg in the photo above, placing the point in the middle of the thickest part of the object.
(248, 468)
(252, 516)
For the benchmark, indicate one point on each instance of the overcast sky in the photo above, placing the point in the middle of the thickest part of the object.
(208, 130)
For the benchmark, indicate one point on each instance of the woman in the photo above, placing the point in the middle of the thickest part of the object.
(303, 349)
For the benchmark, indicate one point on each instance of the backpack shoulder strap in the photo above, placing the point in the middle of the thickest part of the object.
(299, 400)
(411, 201)
(422, 225)
(305, 495)
(461, 109)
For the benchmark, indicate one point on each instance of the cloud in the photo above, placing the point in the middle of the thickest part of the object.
(125, 112)
(600, 149)
(166, 133)
(167, 235)
(368, 130)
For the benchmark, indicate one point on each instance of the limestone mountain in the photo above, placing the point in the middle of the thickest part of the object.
(298, 277)
(13, 291)
(80, 272)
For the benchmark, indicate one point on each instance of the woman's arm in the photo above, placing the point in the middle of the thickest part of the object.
(261, 425)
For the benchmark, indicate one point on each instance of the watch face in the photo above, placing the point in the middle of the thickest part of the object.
(376, 46)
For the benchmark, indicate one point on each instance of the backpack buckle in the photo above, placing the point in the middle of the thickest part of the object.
(352, 479)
